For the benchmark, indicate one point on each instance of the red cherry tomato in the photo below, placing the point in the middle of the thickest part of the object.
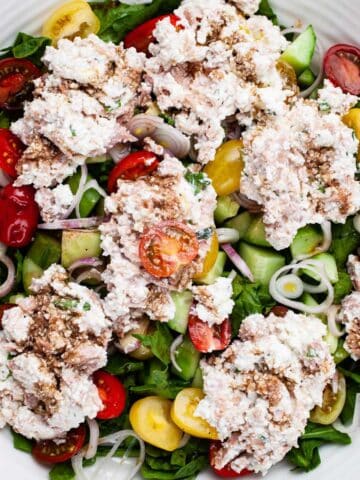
(112, 393)
(342, 67)
(227, 471)
(16, 77)
(19, 215)
(11, 150)
(165, 248)
(48, 451)
(142, 36)
(207, 339)
(133, 166)
(3, 308)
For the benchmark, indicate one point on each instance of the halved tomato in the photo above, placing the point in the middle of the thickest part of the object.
(48, 451)
(112, 393)
(167, 247)
(16, 77)
(208, 339)
(342, 67)
(141, 37)
(11, 150)
(227, 471)
(135, 165)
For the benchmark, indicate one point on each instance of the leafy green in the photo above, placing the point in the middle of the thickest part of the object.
(355, 377)
(168, 119)
(249, 298)
(119, 364)
(27, 46)
(352, 390)
(62, 471)
(266, 10)
(4, 120)
(19, 262)
(66, 303)
(198, 180)
(101, 171)
(342, 287)
(306, 456)
(117, 21)
(159, 342)
(21, 443)
(345, 240)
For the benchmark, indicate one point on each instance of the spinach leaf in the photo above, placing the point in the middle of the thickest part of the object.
(355, 377)
(21, 443)
(249, 298)
(107, 427)
(119, 364)
(62, 471)
(198, 180)
(27, 46)
(347, 414)
(345, 240)
(4, 120)
(342, 287)
(117, 21)
(193, 467)
(325, 433)
(159, 342)
(266, 10)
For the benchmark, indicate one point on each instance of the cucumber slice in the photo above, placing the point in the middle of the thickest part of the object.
(341, 354)
(89, 199)
(183, 301)
(332, 342)
(300, 53)
(306, 79)
(77, 244)
(14, 298)
(241, 223)
(215, 272)
(198, 380)
(256, 233)
(30, 271)
(306, 241)
(44, 251)
(226, 208)
(309, 300)
(262, 262)
(188, 358)
(330, 267)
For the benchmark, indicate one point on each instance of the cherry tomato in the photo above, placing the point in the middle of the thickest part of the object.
(48, 451)
(16, 77)
(165, 248)
(11, 150)
(210, 258)
(19, 215)
(112, 393)
(342, 67)
(227, 471)
(142, 36)
(207, 339)
(279, 310)
(352, 120)
(133, 166)
(3, 308)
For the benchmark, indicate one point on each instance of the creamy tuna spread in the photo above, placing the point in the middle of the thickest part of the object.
(260, 391)
(51, 343)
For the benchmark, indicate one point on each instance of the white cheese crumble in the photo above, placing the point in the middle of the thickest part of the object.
(260, 391)
(54, 203)
(249, 7)
(334, 99)
(213, 303)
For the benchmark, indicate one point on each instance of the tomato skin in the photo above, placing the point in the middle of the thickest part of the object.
(112, 393)
(166, 247)
(342, 67)
(208, 339)
(141, 37)
(49, 452)
(19, 215)
(227, 471)
(11, 150)
(135, 165)
(16, 75)
(3, 308)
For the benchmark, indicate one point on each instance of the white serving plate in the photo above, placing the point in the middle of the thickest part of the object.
(336, 21)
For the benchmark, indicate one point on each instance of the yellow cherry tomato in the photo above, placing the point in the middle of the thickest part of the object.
(183, 410)
(352, 120)
(288, 75)
(150, 418)
(210, 259)
(226, 169)
(73, 19)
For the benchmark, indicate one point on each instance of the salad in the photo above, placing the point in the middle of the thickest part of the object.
(180, 233)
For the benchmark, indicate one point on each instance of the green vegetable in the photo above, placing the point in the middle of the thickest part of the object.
(306, 241)
(183, 301)
(255, 234)
(300, 53)
(262, 262)
(30, 271)
(119, 364)
(26, 46)
(226, 208)
(216, 270)
(345, 240)
(4, 120)
(159, 342)
(353, 375)
(90, 198)
(187, 358)
(78, 244)
(341, 354)
(241, 223)
(352, 390)
(204, 234)
(306, 79)
(198, 380)
(21, 443)
(116, 22)
(249, 298)
(66, 303)
(266, 10)
(198, 180)
(62, 471)
(329, 264)
(342, 287)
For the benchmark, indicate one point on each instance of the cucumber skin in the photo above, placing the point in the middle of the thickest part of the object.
(188, 359)
(215, 272)
(256, 233)
(183, 302)
(306, 79)
(329, 263)
(44, 251)
(226, 208)
(262, 262)
(241, 223)
(300, 53)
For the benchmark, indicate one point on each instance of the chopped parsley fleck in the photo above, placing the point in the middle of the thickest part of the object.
(311, 353)
(66, 303)
(73, 132)
(324, 107)
(204, 234)
(322, 188)
(168, 119)
(86, 307)
(199, 181)
(109, 108)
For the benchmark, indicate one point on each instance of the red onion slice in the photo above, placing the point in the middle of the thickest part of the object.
(85, 262)
(74, 223)
(6, 287)
(238, 261)
(246, 203)
(143, 125)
